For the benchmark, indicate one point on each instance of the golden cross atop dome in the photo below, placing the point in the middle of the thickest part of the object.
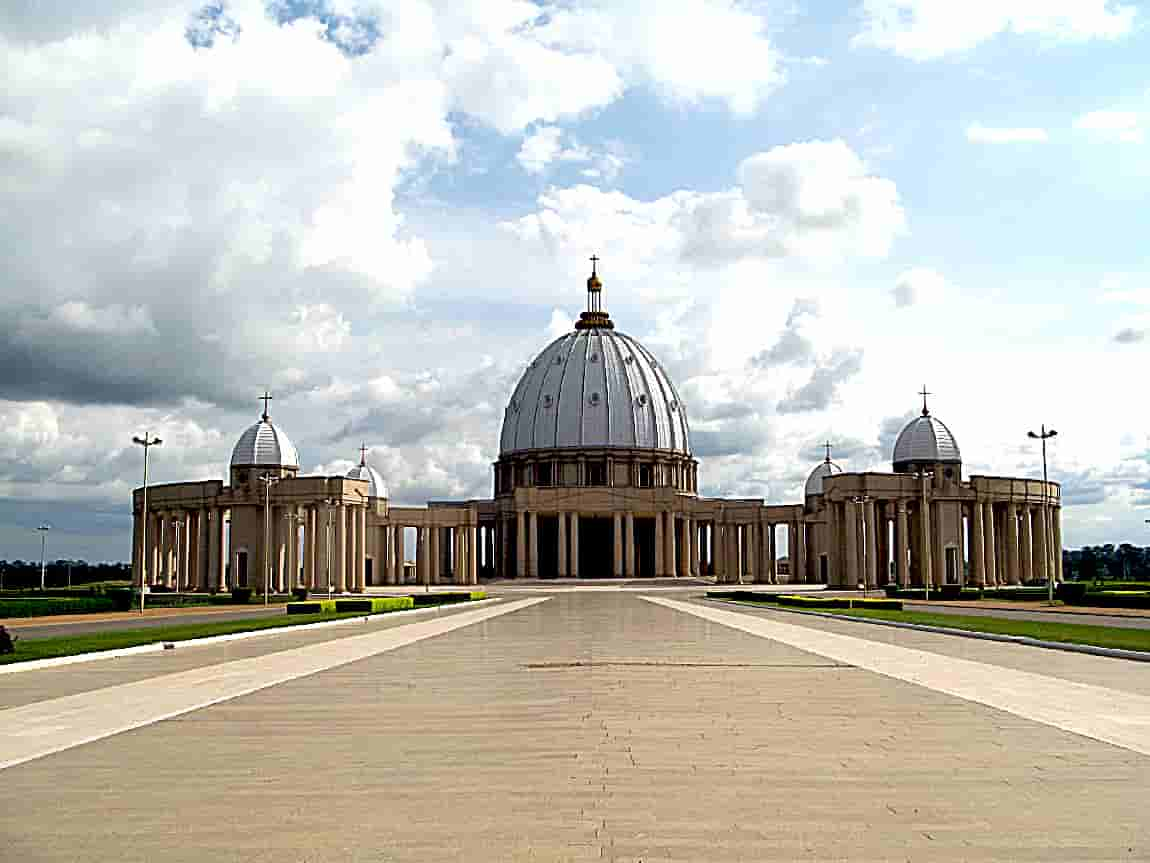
(924, 394)
(265, 398)
(363, 454)
(828, 446)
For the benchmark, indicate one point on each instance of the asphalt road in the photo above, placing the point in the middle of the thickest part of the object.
(84, 627)
(1125, 622)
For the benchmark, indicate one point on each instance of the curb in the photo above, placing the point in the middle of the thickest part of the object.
(156, 646)
(1069, 647)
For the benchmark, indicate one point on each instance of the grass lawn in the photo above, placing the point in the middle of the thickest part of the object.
(68, 645)
(1075, 633)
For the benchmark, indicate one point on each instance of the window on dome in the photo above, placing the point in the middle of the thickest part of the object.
(543, 474)
(596, 473)
(646, 476)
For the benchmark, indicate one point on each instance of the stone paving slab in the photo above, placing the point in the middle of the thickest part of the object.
(26, 687)
(1121, 674)
(585, 728)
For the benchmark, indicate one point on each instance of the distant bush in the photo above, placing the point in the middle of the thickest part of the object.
(1028, 594)
(1072, 592)
(241, 595)
(7, 641)
(299, 594)
(49, 605)
(814, 601)
(890, 604)
(744, 595)
(123, 598)
(312, 606)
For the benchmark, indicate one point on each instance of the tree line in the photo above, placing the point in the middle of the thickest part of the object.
(1109, 562)
(17, 574)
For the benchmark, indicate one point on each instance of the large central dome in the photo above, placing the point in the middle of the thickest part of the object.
(595, 388)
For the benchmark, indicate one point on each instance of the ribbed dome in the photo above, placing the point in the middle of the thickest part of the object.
(821, 472)
(264, 445)
(593, 388)
(925, 440)
(376, 487)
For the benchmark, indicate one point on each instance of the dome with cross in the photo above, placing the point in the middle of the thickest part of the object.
(925, 442)
(595, 388)
(265, 445)
(376, 487)
(823, 471)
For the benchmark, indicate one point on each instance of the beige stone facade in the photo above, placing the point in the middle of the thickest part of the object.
(595, 479)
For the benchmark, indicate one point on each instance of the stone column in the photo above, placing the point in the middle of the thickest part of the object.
(472, 555)
(938, 554)
(203, 562)
(629, 546)
(435, 552)
(852, 538)
(771, 552)
(1041, 544)
(618, 537)
(669, 545)
(395, 550)
(309, 541)
(1027, 573)
(989, 545)
(575, 545)
(533, 552)
(900, 544)
(800, 551)
(756, 572)
(215, 545)
(685, 547)
(520, 544)
(561, 545)
(977, 546)
(660, 566)
(871, 544)
(696, 562)
(1012, 572)
(339, 548)
(832, 543)
(360, 513)
(927, 545)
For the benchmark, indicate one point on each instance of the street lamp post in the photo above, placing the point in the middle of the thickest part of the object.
(268, 480)
(1044, 435)
(147, 443)
(862, 500)
(44, 528)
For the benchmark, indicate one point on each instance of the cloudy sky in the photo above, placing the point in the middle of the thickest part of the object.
(382, 210)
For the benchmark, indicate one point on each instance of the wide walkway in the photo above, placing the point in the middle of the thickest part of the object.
(587, 726)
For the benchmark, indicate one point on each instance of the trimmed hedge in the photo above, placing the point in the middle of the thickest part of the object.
(49, 605)
(801, 601)
(446, 598)
(745, 595)
(313, 606)
(948, 592)
(374, 605)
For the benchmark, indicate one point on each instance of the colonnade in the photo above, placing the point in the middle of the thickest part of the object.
(747, 550)
(916, 542)
(322, 546)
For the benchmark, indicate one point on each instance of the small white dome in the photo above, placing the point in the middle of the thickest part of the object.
(376, 487)
(822, 471)
(925, 440)
(264, 445)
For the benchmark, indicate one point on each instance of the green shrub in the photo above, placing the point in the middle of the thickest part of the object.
(1118, 599)
(891, 604)
(1028, 594)
(381, 604)
(241, 595)
(1072, 592)
(814, 601)
(123, 598)
(313, 606)
(299, 594)
(343, 606)
(48, 605)
(746, 595)
(891, 590)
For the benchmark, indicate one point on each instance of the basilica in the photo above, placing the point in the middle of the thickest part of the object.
(595, 479)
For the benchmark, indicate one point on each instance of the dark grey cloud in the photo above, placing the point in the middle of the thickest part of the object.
(1129, 336)
(791, 347)
(1085, 487)
(819, 392)
(732, 438)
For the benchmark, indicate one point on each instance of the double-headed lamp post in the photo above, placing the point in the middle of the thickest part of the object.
(863, 500)
(44, 528)
(330, 503)
(294, 520)
(1044, 435)
(147, 443)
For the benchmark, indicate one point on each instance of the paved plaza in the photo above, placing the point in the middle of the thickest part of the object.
(581, 725)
